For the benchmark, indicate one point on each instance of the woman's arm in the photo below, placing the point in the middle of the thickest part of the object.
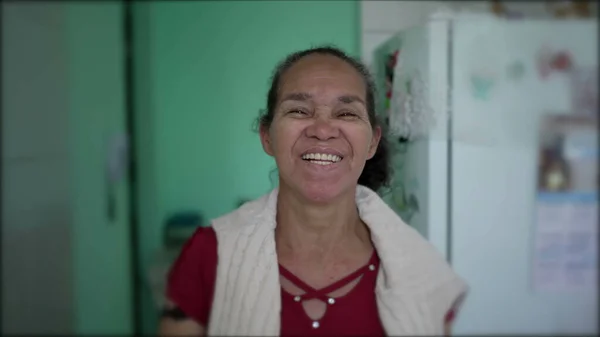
(190, 287)
(174, 322)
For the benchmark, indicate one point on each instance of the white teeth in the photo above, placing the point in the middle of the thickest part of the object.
(322, 158)
(321, 162)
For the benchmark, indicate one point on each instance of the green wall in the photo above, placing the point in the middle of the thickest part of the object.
(202, 79)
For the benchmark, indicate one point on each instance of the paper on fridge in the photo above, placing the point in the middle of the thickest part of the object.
(565, 232)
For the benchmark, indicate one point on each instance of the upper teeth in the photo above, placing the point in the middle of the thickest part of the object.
(322, 156)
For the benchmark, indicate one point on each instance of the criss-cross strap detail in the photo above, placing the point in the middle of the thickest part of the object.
(310, 292)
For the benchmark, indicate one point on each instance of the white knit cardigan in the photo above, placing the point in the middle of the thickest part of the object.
(415, 286)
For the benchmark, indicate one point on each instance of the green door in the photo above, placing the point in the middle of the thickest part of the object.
(102, 267)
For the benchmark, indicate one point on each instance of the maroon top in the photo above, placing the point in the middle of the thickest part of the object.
(191, 287)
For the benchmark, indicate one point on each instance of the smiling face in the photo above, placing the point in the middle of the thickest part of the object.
(320, 134)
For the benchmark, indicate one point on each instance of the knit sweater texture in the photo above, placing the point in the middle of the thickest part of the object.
(415, 285)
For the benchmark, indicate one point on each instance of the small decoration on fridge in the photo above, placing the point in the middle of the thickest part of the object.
(413, 184)
(481, 85)
(561, 61)
(549, 62)
(390, 66)
(411, 114)
(406, 203)
(584, 90)
(516, 70)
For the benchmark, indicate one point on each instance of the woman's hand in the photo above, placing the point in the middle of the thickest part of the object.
(448, 329)
(174, 323)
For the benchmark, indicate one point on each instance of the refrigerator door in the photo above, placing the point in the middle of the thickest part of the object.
(506, 76)
(419, 104)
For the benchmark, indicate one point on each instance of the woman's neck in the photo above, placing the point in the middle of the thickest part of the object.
(316, 231)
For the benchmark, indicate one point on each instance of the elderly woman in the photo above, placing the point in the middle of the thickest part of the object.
(322, 254)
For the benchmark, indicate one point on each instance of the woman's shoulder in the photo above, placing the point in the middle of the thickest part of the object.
(199, 250)
(204, 239)
(203, 235)
(262, 208)
(191, 280)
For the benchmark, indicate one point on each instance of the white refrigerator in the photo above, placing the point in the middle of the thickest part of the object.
(478, 88)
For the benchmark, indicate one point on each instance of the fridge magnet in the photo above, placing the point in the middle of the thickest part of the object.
(481, 85)
(549, 62)
(516, 70)
(561, 61)
(566, 205)
(584, 90)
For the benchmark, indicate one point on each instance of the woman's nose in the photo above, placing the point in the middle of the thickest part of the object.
(322, 128)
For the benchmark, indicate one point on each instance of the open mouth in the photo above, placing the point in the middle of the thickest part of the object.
(322, 158)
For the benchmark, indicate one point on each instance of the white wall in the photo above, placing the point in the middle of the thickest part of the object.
(36, 251)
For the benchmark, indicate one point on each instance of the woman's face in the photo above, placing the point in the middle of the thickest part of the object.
(321, 136)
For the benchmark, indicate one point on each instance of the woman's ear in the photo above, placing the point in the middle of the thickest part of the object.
(374, 142)
(265, 139)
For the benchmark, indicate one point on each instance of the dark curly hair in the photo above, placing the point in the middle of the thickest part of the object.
(377, 170)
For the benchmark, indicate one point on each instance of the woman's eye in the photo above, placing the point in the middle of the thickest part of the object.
(347, 114)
